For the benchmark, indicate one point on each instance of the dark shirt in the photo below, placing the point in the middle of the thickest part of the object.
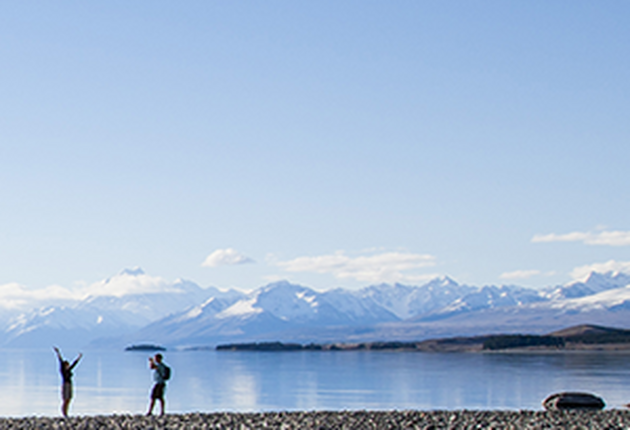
(66, 373)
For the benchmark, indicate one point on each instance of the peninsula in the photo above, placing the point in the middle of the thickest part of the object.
(581, 337)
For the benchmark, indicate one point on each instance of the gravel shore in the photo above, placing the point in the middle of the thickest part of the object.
(609, 420)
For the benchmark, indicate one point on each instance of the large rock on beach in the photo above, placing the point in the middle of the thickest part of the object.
(569, 400)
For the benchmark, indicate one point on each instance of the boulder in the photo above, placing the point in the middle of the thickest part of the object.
(560, 401)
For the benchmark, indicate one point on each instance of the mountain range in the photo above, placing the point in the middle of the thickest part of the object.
(133, 308)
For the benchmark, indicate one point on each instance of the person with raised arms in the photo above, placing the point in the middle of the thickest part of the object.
(65, 368)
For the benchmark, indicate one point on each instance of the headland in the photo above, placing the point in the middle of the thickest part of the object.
(577, 338)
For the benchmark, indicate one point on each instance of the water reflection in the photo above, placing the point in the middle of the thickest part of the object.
(118, 382)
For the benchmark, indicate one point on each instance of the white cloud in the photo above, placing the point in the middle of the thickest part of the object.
(384, 267)
(519, 274)
(581, 273)
(129, 282)
(225, 257)
(610, 238)
(16, 296)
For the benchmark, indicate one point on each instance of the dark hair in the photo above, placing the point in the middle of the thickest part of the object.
(158, 356)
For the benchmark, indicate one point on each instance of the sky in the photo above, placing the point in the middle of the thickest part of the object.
(331, 144)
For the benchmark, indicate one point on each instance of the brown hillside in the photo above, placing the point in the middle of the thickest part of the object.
(587, 329)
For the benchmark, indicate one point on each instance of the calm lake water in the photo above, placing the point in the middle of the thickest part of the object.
(209, 381)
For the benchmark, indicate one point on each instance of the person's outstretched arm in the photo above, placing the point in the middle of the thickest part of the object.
(58, 354)
(76, 361)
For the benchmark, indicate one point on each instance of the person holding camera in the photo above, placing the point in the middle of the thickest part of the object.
(161, 374)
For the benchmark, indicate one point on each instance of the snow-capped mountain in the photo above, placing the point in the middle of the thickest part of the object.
(303, 306)
(118, 305)
(595, 283)
(283, 311)
(407, 302)
(610, 307)
(64, 325)
(133, 307)
(143, 308)
(275, 308)
(488, 297)
(609, 299)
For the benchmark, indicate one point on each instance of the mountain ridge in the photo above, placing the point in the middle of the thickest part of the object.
(133, 307)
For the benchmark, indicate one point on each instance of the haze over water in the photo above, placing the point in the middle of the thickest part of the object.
(209, 381)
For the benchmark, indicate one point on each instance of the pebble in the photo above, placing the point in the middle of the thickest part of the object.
(613, 419)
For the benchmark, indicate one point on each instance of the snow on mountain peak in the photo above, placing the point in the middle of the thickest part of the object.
(288, 301)
(610, 299)
(182, 311)
(607, 280)
(240, 308)
(615, 277)
(441, 282)
(445, 281)
(196, 311)
(310, 299)
(595, 282)
(135, 271)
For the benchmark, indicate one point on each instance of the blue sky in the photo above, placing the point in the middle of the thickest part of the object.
(328, 143)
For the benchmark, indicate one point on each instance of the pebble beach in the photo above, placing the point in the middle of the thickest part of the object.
(574, 419)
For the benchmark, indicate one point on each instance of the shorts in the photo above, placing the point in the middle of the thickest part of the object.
(66, 391)
(158, 391)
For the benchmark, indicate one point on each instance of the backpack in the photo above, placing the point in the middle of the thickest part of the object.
(166, 372)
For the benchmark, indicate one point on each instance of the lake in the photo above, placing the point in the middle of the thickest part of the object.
(209, 381)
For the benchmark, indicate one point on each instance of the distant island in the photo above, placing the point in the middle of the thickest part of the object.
(581, 337)
(145, 347)
(270, 346)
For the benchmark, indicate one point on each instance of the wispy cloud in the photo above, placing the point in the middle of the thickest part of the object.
(129, 282)
(519, 274)
(225, 257)
(610, 238)
(16, 296)
(384, 267)
(582, 272)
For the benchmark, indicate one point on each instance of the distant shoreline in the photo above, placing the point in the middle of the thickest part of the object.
(578, 338)
(264, 347)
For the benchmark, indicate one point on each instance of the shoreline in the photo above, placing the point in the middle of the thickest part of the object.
(603, 348)
(321, 420)
(586, 337)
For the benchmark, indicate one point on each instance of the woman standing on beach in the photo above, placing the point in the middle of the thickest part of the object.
(65, 368)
